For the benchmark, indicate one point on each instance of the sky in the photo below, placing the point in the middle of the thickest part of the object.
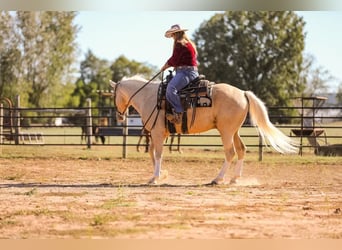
(139, 35)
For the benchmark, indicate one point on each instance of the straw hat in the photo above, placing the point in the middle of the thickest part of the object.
(174, 28)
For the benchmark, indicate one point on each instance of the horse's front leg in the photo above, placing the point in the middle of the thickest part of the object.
(156, 151)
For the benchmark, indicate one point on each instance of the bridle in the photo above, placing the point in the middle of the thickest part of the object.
(115, 91)
(122, 114)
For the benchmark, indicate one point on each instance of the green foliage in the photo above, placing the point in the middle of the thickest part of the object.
(10, 56)
(316, 77)
(37, 51)
(48, 51)
(96, 70)
(95, 76)
(258, 51)
(123, 67)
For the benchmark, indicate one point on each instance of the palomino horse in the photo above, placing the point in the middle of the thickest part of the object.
(229, 109)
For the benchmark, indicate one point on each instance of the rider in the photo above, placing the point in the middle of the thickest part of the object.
(184, 62)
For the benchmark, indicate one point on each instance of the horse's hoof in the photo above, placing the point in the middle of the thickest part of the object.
(157, 179)
(213, 183)
(233, 181)
(217, 181)
(152, 181)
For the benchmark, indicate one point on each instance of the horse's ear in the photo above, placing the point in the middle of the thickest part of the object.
(113, 84)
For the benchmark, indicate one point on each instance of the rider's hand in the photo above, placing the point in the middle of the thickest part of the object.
(165, 67)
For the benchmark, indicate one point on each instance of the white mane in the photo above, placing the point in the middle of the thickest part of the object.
(135, 77)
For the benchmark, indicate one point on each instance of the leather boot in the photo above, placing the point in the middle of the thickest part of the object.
(175, 118)
(178, 118)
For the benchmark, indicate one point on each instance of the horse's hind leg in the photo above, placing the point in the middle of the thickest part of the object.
(147, 139)
(229, 153)
(178, 143)
(139, 141)
(240, 150)
(83, 133)
(171, 143)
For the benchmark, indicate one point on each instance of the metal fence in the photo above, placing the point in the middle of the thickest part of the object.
(94, 126)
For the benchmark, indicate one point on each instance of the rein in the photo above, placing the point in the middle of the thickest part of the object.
(155, 107)
(130, 99)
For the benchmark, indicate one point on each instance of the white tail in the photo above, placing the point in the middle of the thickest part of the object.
(274, 136)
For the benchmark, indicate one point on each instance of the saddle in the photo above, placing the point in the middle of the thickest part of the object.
(196, 94)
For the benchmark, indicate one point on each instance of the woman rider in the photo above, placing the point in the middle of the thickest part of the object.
(184, 62)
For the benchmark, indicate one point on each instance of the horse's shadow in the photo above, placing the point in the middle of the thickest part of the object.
(103, 185)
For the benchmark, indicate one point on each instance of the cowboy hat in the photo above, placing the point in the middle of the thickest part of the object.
(174, 28)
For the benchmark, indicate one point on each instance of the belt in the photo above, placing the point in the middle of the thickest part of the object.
(187, 67)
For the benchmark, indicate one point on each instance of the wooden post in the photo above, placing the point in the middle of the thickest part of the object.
(260, 148)
(89, 124)
(1, 126)
(17, 120)
(301, 126)
(124, 136)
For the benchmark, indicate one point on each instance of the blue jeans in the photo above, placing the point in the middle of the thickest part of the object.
(182, 78)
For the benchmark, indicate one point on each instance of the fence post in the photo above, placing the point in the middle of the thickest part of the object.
(89, 124)
(301, 127)
(1, 126)
(260, 147)
(17, 120)
(124, 136)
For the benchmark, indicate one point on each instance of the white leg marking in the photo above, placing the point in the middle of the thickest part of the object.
(238, 168)
(220, 177)
(158, 175)
(157, 167)
(238, 171)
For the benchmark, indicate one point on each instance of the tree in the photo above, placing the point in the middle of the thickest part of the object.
(316, 77)
(94, 69)
(258, 51)
(123, 67)
(10, 56)
(48, 51)
(339, 95)
(95, 74)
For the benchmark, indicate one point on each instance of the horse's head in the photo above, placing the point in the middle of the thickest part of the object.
(120, 102)
(127, 92)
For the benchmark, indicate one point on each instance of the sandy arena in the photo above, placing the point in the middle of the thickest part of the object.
(95, 198)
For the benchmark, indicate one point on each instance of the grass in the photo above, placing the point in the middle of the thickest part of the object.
(118, 202)
(104, 153)
(190, 152)
(7, 222)
(101, 219)
(72, 135)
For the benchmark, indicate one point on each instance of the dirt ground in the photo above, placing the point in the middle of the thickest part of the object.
(96, 198)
